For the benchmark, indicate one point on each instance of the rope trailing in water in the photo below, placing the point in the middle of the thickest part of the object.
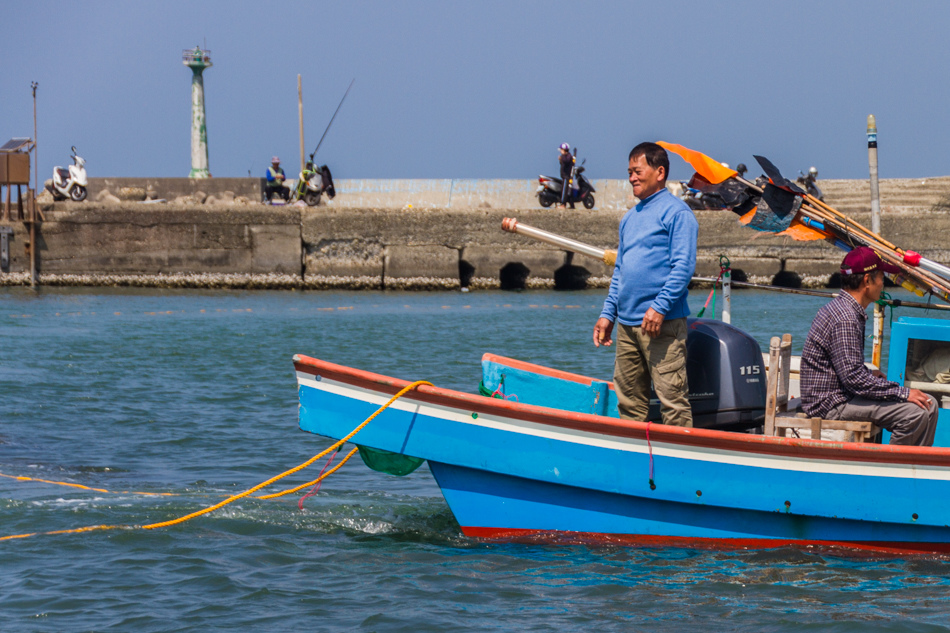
(310, 483)
(319, 455)
(72, 485)
(333, 448)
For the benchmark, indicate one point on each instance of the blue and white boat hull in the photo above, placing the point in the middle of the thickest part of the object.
(513, 470)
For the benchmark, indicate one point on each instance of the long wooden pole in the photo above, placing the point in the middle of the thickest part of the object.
(36, 169)
(876, 228)
(300, 115)
(872, 165)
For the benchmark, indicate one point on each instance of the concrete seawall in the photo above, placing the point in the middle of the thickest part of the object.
(422, 246)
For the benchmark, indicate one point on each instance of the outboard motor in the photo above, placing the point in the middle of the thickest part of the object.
(726, 375)
(724, 367)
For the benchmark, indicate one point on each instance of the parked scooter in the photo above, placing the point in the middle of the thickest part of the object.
(807, 182)
(69, 183)
(313, 183)
(549, 189)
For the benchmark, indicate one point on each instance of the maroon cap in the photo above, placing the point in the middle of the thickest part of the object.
(864, 260)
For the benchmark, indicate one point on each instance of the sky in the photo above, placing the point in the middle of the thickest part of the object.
(486, 89)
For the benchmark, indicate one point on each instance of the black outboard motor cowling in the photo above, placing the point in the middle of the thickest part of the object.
(726, 376)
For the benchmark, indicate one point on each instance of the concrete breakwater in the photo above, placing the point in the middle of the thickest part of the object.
(185, 244)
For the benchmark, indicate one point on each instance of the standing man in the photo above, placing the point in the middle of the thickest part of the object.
(656, 257)
(567, 170)
(836, 384)
(275, 181)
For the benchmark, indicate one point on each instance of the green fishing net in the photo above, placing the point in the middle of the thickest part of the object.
(386, 462)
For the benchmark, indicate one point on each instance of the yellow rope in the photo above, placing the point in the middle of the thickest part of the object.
(310, 483)
(66, 483)
(333, 447)
(249, 491)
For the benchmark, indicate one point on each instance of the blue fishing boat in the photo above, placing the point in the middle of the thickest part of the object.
(545, 460)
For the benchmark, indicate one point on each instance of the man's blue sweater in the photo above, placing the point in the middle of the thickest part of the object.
(656, 257)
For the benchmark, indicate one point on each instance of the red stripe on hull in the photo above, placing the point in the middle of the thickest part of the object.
(718, 544)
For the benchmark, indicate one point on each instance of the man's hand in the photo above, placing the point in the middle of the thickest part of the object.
(877, 373)
(602, 330)
(919, 398)
(652, 322)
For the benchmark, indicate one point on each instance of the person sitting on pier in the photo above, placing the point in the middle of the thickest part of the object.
(275, 181)
(836, 384)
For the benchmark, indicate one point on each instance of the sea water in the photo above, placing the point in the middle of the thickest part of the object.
(193, 393)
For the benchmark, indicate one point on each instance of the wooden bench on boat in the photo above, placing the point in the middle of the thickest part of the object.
(779, 419)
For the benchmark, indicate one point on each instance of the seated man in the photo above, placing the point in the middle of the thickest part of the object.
(275, 181)
(835, 383)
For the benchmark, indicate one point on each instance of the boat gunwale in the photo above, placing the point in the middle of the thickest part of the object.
(515, 363)
(632, 429)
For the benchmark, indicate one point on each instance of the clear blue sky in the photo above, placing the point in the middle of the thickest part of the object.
(486, 89)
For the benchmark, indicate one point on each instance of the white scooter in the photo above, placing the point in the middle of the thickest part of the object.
(69, 183)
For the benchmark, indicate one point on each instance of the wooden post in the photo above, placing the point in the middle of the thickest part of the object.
(872, 163)
(876, 228)
(33, 279)
(785, 358)
(7, 208)
(300, 114)
(36, 153)
(878, 340)
(772, 385)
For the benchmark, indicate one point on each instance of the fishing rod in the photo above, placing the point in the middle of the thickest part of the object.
(313, 153)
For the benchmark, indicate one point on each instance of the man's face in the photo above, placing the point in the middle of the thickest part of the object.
(644, 179)
(875, 285)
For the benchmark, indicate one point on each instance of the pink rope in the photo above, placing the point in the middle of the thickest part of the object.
(497, 392)
(316, 488)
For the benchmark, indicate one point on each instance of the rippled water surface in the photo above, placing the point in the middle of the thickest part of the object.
(193, 393)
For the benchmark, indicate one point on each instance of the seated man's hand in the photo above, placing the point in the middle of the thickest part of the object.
(602, 330)
(919, 398)
(652, 322)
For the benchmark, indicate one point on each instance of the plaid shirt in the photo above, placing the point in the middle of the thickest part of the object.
(832, 367)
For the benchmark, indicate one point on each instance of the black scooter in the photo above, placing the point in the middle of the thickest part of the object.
(549, 189)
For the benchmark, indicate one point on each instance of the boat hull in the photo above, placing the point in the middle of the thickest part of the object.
(509, 470)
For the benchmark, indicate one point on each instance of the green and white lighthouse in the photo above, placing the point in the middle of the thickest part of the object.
(197, 60)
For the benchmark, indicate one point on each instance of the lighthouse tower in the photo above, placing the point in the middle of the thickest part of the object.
(197, 60)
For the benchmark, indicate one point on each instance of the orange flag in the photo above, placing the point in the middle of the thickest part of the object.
(706, 167)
